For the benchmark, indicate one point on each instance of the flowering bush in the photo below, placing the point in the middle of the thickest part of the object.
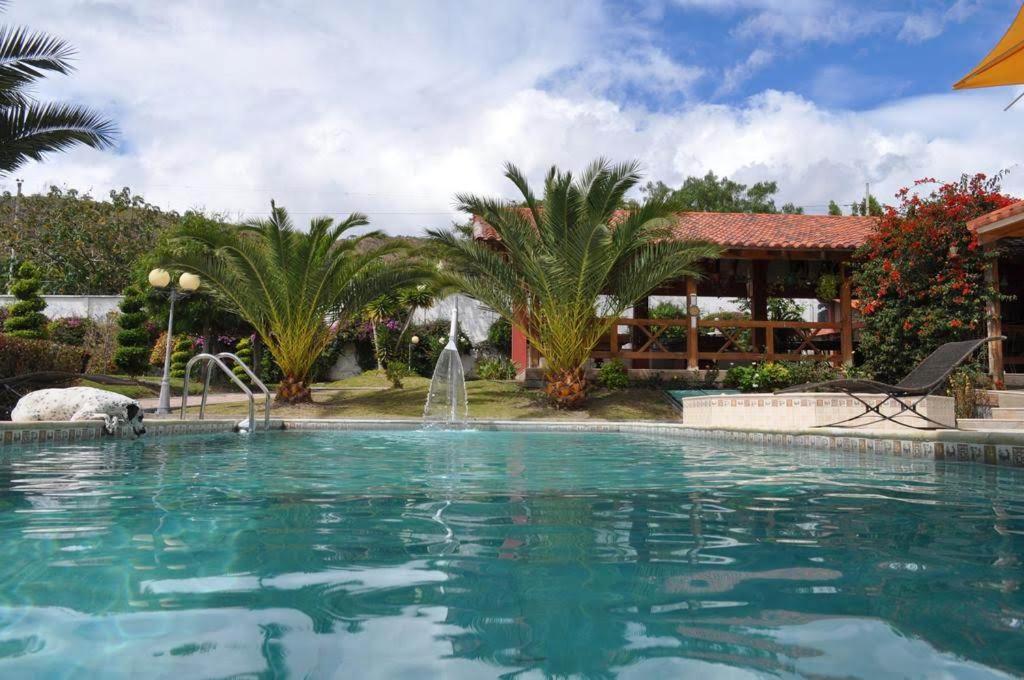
(69, 330)
(921, 276)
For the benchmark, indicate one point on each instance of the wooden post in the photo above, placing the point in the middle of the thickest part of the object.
(759, 299)
(994, 312)
(641, 310)
(692, 334)
(846, 315)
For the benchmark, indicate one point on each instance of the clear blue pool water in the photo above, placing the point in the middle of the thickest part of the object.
(469, 555)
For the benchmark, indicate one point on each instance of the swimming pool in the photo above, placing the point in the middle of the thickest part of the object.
(478, 554)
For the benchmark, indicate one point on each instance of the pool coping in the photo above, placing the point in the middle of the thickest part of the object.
(992, 447)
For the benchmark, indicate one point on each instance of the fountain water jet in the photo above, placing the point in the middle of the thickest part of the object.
(447, 405)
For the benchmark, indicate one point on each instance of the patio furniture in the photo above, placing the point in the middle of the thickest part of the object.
(927, 377)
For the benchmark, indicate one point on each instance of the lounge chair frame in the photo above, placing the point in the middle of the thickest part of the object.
(927, 377)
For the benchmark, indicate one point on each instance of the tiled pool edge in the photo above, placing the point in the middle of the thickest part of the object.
(42, 432)
(991, 448)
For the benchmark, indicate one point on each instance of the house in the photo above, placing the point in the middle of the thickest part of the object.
(764, 256)
(1003, 230)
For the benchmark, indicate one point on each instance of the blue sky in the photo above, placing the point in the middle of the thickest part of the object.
(390, 107)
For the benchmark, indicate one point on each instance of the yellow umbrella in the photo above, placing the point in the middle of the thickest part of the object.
(1004, 65)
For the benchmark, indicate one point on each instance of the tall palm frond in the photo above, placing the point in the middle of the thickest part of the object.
(288, 284)
(564, 253)
(31, 129)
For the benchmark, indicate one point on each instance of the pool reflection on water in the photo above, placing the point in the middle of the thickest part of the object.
(478, 554)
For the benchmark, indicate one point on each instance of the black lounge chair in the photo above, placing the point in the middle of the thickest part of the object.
(919, 384)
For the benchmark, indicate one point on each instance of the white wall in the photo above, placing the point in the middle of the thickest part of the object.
(62, 306)
(474, 318)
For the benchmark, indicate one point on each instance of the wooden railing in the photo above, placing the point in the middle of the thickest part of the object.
(709, 341)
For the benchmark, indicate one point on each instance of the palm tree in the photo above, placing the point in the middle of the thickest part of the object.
(561, 254)
(30, 128)
(290, 285)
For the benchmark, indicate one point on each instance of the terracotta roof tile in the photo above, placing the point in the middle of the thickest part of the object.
(757, 230)
(996, 215)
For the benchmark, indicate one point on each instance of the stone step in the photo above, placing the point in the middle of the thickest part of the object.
(1007, 398)
(1004, 413)
(989, 424)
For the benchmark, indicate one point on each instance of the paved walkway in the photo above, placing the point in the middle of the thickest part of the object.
(214, 398)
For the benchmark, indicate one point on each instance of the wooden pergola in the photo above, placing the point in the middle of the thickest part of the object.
(764, 255)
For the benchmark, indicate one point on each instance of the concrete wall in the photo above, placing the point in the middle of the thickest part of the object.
(63, 306)
(474, 318)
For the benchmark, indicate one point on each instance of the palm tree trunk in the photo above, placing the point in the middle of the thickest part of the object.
(293, 390)
(376, 347)
(567, 389)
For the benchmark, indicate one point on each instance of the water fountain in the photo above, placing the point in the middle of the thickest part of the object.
(446, 401)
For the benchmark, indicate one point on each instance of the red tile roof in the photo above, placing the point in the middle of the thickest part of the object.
(758, 230)
(996, 215)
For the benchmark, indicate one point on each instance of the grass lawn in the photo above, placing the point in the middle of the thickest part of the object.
(369, 396)
(151, 386)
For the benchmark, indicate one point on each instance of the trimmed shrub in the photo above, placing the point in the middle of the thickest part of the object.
(69, 330)
(613, 375)
(132, 354)
(26, 319)
(19, 356)
(243, 350)
(184, 349)
(495, 368)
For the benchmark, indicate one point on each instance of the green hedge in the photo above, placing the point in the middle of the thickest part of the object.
(24, 355)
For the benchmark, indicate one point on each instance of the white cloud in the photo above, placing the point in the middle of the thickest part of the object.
(928, 24)
(735, 76)
(392, 109)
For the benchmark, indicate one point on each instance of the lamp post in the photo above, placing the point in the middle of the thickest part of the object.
(187, 283)
(415, 340)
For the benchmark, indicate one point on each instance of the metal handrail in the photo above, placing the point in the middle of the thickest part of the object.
(211, 359)
(256, 381)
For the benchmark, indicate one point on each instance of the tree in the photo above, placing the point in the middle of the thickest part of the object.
(561, 254)
(289, 284)
(29, 129)
(711, 193)
(921, 275)
(26, 318)
(867, 207)
(834, 209)
(132, 354)
(82, 245)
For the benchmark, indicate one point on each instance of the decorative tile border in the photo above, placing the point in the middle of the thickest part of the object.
(991, 448)
(805, 410)
(61, 432)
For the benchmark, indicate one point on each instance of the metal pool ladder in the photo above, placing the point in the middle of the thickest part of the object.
(209, 361)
